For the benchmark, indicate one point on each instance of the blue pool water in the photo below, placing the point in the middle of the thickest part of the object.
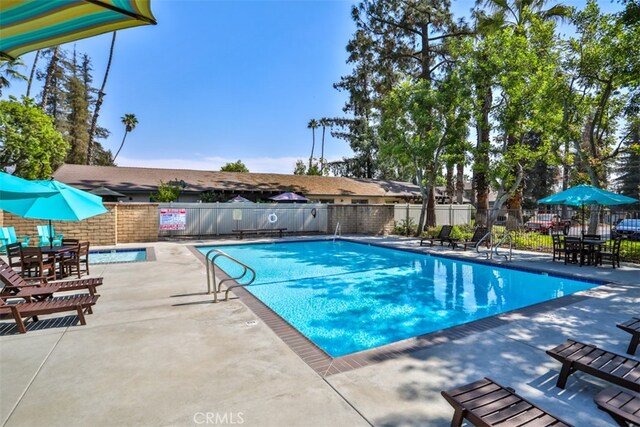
(348, 297)
(117, 255)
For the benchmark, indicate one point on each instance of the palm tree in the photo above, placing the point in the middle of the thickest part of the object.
(33, 71)
(96, 110)
(324, 122)
(9, 71)
(313, 125)
(129, 121)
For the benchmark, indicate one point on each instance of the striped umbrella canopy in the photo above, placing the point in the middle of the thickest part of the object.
(28, 25)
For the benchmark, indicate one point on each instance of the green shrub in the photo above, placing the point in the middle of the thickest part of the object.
(406, 227)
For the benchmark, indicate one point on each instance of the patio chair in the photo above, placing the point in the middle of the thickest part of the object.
(13, 282)
(13, 255)
(25, 310)
(34, 263)
(48, 237)
(612, 254)
(622, 406)
(8, 236)
(576, 356)
(478, 234)
(573, 250)
(633, 327)
(558, 246)
(487, 403)
(76, 258)
(443, 236)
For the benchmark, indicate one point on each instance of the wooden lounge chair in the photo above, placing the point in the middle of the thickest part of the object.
(487, 403)
(612, 367)
(624, 407)
(633, 327)
(478, 234)
(13, 282)
(443, 236)
(25, 310)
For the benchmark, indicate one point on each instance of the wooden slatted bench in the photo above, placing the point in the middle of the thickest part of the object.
(487, 403)
(615, 368)
(242, 232)
(78, 303)
(633, 327)
(623, 407)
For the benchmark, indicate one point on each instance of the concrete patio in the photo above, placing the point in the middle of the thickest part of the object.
(157, 352)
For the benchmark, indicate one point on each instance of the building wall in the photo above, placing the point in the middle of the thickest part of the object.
(362, 219)
(123, 223)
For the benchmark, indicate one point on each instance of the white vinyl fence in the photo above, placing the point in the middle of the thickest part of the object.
(213, 219)
(445, 214)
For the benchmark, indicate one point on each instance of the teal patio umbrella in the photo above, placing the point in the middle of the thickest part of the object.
(583, 194)
(13, 187)
(65, 204)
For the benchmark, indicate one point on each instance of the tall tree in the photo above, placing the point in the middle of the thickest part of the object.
(77, 107)
(628, 167)
(129, 121)
(29, 139)
(34, 67)
(313, 125)
(96, 109)
(492, 16)
(324, 122)
(603, 80)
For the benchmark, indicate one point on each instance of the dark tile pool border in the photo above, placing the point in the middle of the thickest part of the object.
(326, 365)
(150, 254)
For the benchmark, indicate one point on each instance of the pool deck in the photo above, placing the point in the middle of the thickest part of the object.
(156, 351)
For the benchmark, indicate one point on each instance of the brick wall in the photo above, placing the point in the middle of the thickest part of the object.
(123, 223)
(137, 222)
(361, 219)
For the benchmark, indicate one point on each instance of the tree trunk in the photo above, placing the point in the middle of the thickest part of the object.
(431, 208)
(481, 164)
(313, 146)
(449, 186)
(96, 111)
(121, 145)
(322, 152)
(46, 89)
(460, 183)
(33, 71)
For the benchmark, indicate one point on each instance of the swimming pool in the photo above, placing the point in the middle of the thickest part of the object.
(347, 297)
(109, 256)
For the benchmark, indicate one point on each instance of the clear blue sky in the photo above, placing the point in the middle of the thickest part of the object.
(218, 81)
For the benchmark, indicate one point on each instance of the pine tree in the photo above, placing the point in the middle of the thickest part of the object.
(77, 105)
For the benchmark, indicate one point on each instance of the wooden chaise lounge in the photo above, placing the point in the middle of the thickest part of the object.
(576, 356)
(633, 327)
(443, 236)
(13, 282)
(624, 407)
(478, 234)
(487, 403)
(25, 310)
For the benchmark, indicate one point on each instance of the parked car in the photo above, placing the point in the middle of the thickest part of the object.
(545, 223)
(627, 229)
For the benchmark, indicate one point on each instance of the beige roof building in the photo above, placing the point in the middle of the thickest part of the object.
(137, 184)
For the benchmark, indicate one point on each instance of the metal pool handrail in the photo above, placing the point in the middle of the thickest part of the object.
(485, 237)
(338, 230)
(505, 236)
(211, 272)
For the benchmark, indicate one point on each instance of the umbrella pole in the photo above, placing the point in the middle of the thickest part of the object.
(50, 235)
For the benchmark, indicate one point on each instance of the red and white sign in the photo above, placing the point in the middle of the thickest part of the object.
(173, 219)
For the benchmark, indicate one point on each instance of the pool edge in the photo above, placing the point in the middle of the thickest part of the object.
(325, 365)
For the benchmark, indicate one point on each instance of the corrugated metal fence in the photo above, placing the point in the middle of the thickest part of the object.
(214, 219)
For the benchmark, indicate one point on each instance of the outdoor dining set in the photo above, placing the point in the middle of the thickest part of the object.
(588, 249)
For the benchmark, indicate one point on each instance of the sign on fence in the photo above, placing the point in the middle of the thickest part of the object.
(173, 219)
